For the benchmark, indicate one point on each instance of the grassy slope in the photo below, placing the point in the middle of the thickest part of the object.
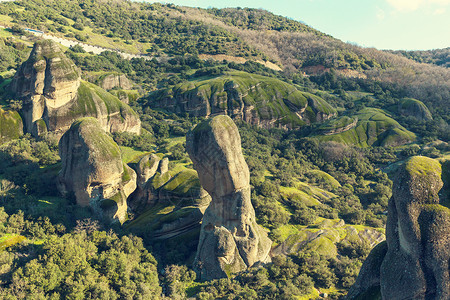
(374, 128)
(272, 98)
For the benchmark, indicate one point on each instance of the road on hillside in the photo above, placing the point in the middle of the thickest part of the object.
(86, 47)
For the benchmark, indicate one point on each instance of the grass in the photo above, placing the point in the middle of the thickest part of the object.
(374, 128)
(9, 240)
(324, 177)
(272, 99)
(5, 33)
(130, 155)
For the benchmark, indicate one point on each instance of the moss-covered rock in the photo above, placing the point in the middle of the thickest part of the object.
(92, 168)
(111, 80)
(11, 126)
(92, 101)
(373, 127)
(416, 263)
(50, 86)
(47, 79)
(260, 100)
(230, 238)
(414, 108)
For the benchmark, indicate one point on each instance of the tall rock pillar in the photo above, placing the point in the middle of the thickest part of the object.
(230, 240)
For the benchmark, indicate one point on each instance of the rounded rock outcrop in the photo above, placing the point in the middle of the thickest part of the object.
(230, 240)
(92, 169)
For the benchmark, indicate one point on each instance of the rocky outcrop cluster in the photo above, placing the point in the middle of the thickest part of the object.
(414, 261)
(54, 96)
(149, 168)
(92, 169)
(258, 100)
(230, 240)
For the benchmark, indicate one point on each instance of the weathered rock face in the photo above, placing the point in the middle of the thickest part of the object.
(146, 170)
(415, 263)
(255, 99)
(230, 239)
(92, 169)
(47, 78)
(53, 95)
(111, 81)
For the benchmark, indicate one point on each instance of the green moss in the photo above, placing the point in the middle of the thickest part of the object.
(413, 106)
(272, 99)
(323, 245)
(97, 138)
(159, 180)
(129, 155)
(41, 127)
(11, 126)
(325, 178)
(89, 94)
(228, 269)
(125, 175)
(423, 166)
(185, 182)
(374, 128)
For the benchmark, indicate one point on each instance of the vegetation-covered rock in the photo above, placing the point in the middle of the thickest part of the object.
(369, 127)
(92, 169)
(54, 96)
(415, 264)
(11, 126)
(230, 240)
(414, 108)
(255, 99)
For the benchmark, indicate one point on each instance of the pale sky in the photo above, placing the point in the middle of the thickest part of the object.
(383, 24)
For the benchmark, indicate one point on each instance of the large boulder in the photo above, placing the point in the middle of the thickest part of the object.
(53, 95)
(109, 81)
(414, 263)
(93, 171)
(230, 240)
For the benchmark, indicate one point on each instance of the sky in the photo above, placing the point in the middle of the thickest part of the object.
(383, 24)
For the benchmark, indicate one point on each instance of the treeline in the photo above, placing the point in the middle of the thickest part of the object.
(161, 26)
(259, 19)
(440, 57)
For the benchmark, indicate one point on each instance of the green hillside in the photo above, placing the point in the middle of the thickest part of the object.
(253, 98)
(374, 128)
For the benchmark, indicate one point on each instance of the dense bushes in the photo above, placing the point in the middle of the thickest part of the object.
(53, 265)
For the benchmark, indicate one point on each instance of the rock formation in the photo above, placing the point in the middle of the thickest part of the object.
(53, 95)
(113, 80)
(255, 99)
(146, 170)
(93, 171)
(414, 261)
(414, 108)
(230, 240)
